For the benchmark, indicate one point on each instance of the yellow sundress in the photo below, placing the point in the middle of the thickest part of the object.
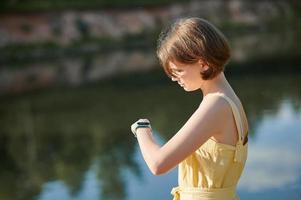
(212, 172)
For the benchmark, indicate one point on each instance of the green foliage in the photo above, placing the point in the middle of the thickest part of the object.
(55, 5)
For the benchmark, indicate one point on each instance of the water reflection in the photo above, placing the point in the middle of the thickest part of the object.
(76, 144)
(274, 160)
(90, 189)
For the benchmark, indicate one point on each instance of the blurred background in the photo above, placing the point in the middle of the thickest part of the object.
(74, 75)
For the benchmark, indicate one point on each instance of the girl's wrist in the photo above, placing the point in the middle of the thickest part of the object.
(143, 130)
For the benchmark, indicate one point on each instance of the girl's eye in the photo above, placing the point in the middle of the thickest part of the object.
(174, 74)
(178, 71)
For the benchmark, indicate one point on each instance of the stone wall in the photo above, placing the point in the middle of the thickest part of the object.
(65, 27)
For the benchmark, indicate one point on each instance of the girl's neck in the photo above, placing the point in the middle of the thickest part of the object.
(217, 84)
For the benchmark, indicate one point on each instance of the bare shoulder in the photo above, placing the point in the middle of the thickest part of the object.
(223, 112)
(215, 109)
(215, 103)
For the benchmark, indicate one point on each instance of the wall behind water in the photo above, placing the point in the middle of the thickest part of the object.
(73, 47)
(64, 27)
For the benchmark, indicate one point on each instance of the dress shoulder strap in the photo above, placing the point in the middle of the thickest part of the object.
(241, 149)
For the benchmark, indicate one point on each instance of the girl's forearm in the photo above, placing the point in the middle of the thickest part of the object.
(149, 149)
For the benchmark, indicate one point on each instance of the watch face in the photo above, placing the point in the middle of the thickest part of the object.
(143, 123)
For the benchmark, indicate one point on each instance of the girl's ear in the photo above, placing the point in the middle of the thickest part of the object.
(204, 65)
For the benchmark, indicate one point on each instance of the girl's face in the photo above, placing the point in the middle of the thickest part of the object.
(187, 75)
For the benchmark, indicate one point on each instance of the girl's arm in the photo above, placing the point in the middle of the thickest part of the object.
(206, 121)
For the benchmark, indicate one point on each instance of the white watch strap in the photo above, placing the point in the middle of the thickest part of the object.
(141, 123)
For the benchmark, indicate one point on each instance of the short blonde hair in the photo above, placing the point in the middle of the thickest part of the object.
(190, 39)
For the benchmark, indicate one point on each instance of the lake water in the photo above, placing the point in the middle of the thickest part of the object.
(76, 144)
